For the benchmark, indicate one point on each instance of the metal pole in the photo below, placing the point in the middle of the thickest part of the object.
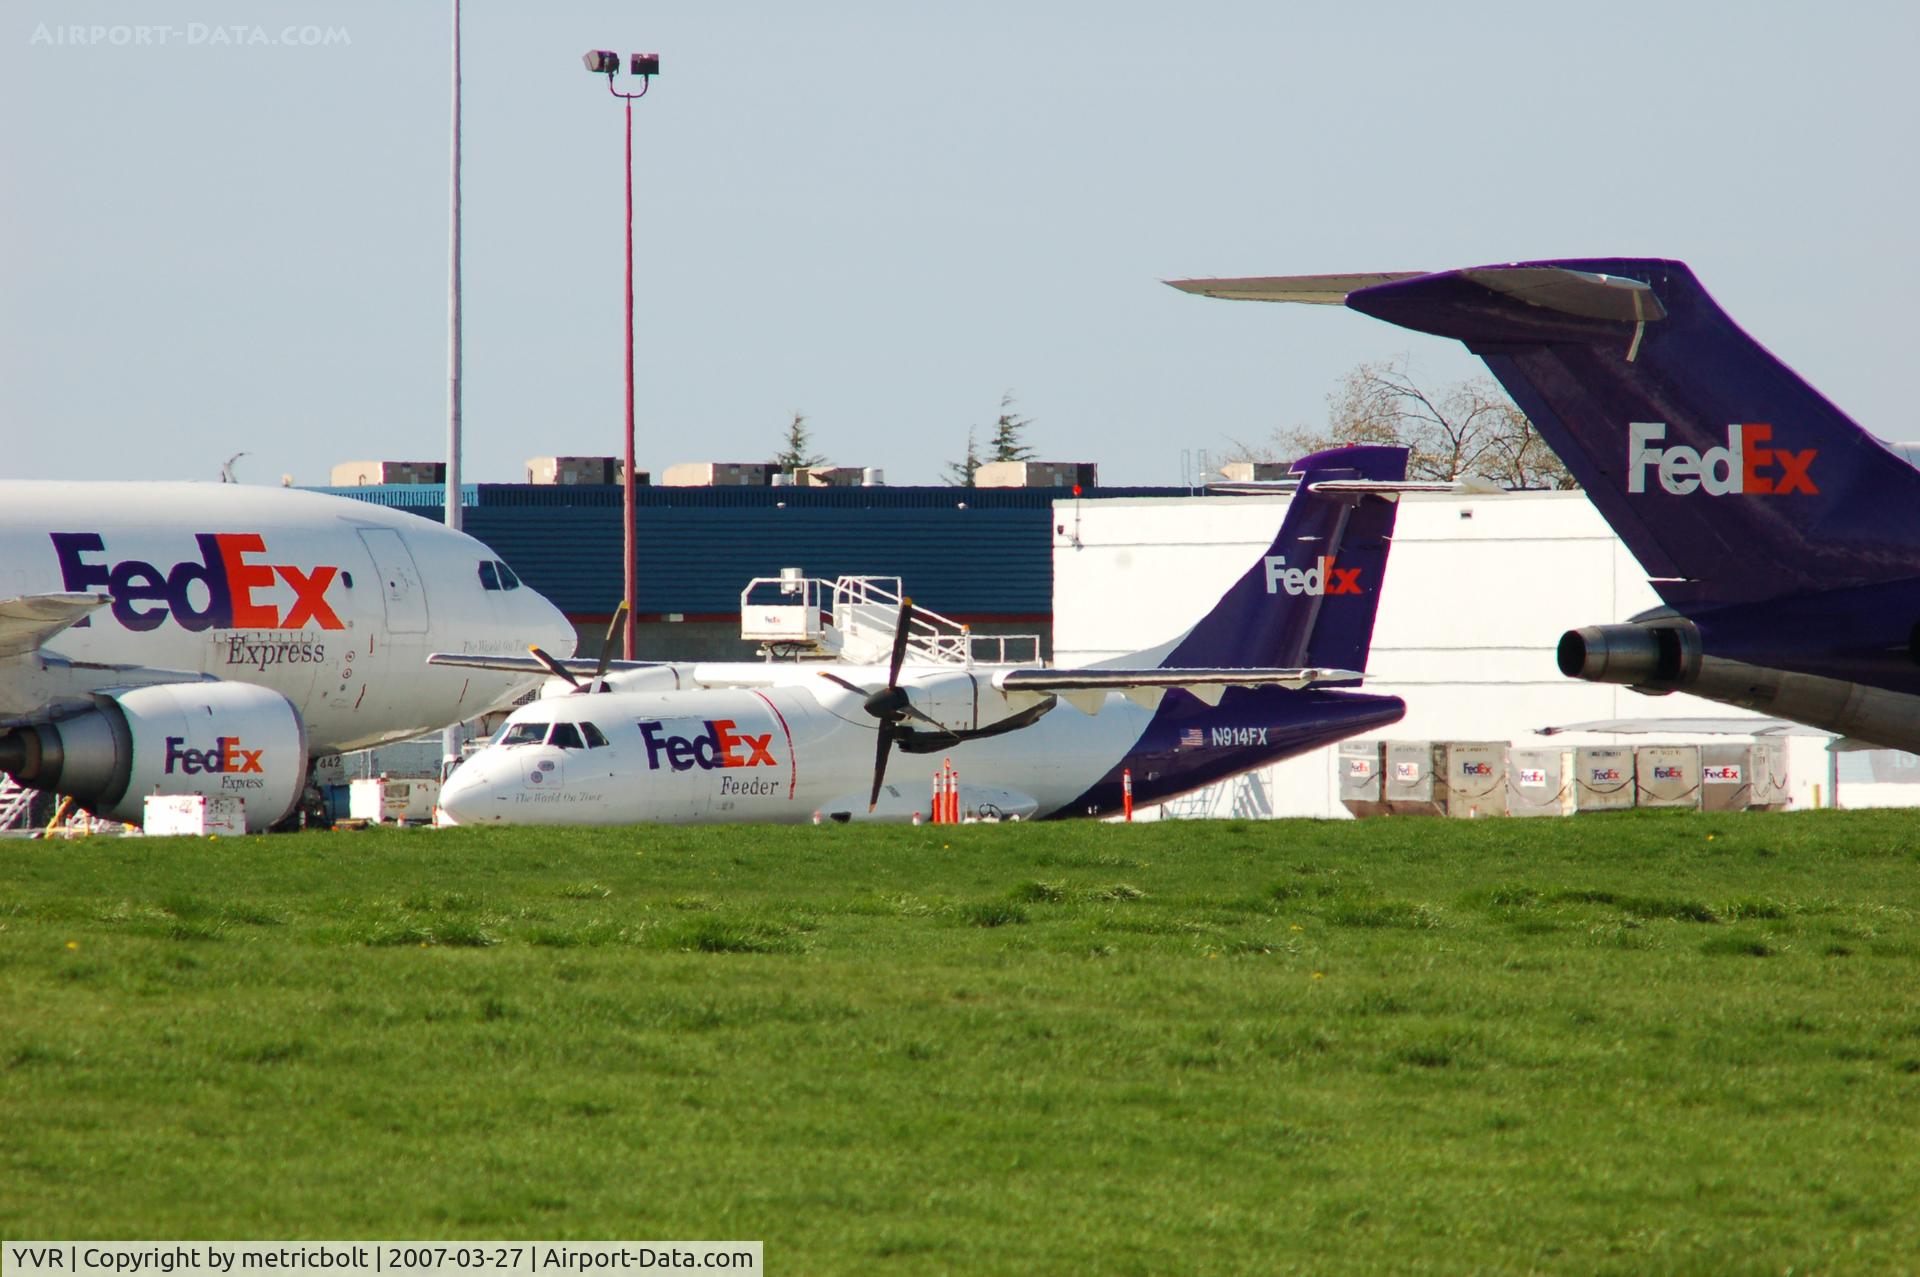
(450, 738)
(453, 300)
(632, 477)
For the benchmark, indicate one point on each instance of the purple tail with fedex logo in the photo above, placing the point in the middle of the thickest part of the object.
(1310, 601)
(1731, 479)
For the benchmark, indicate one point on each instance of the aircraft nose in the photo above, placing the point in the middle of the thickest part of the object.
(468, 796)
(557, 635)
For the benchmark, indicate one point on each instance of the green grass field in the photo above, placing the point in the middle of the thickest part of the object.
(1647, 1043)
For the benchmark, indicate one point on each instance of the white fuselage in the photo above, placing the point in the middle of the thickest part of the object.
(772, 754)
(795, 744)
(331, 602)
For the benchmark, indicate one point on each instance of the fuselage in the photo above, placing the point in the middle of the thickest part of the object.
(796, 746)
(332, 603)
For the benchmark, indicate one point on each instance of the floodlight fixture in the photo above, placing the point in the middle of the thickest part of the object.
(644, 64)
(602, 62)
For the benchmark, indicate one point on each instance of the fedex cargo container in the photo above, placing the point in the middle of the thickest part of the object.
(1726, 777)
(1409, 779)
(1602, 778)
(1539, 782)
(1474, 777)
(1362, 765)
(1668, 775)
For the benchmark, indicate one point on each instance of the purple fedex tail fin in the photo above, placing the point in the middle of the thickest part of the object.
(1729, 477)
(1311, 599)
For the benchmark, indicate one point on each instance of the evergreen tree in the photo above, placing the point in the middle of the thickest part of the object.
(798, 454)
(961, 473)
(1007, 444)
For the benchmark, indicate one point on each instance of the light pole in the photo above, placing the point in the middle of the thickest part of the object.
(646, 66)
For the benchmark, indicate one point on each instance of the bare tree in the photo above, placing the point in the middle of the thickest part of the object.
(1469, 429)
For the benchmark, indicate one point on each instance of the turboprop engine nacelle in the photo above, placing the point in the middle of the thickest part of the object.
(229, 739)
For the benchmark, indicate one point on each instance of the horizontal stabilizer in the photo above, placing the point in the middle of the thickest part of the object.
(1585, 293)
(1111, 680)
(30, 620)
(1317, 290)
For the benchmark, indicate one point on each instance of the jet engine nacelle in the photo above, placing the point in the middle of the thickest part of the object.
(229, 739)
(1659, 656)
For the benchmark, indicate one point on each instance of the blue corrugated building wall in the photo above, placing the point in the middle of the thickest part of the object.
(975, 554)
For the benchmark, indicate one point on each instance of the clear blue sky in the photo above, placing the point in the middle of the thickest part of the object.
(885, 215)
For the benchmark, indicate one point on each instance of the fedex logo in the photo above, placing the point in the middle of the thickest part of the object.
(1322, 578)
(719, 746)
(1745, 465)
(226, 757)
(1605, 773)
(144, 595)
(1476, 769)
(1532, 777)
(1728, 775)
(1666, 773)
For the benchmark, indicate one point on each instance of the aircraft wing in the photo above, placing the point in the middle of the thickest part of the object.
(1086, 688)
(31, 619)
(584, 666)
(1692, 727)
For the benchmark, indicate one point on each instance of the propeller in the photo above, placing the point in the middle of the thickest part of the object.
(553, 667)
(889, 704)
(606, 649)
(598, 682)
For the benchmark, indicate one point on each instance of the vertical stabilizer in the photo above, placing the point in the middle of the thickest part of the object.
(1729, 477)
(1310, 600)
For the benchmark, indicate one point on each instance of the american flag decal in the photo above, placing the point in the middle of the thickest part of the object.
(1190, 739)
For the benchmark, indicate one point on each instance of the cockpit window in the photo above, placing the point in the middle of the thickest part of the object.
(508, 581)
(565, 736)
(489, 577)
(594, 739)
(524, 734)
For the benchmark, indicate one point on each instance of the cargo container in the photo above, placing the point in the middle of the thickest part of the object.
(1362, 765)
(1539, 782)
(1667, 775)
(1602, 778)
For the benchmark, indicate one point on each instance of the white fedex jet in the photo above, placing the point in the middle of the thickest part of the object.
(179, 638)
(1249, 684)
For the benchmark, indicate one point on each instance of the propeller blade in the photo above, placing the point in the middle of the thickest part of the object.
(884, 744)
(855, 688)
(900, 641)
(606, 646)
(554, 667)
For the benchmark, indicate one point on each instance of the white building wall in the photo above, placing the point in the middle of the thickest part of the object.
(1479, 590)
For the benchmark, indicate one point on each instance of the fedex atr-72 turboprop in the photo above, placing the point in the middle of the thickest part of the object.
(1783, 538)
(1256, 680)
(178, 638)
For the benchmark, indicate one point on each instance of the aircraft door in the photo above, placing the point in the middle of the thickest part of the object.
(400, 586)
